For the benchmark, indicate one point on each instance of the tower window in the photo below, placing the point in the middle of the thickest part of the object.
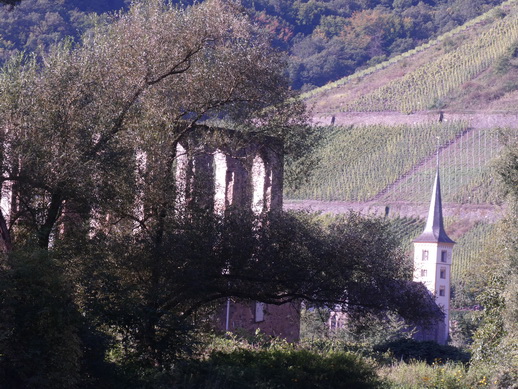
(424, 273)
(425, 255)
(442, 291)
(442, 273)
(444, 256)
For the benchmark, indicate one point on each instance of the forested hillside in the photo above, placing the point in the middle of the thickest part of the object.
(326, 40)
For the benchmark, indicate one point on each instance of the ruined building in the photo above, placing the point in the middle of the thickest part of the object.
(221, 170)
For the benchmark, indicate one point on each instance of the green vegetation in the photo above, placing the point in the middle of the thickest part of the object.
(406, 229)
(397, 163)
(260, 362)
(126, 303)
(472, 67)
(409, 350)
(89, 137)
(426, 86)
(469, 248)
(357, 163)
(277, 368)
(263, 362)
(438, 375)
(326, 40)
(496, 12)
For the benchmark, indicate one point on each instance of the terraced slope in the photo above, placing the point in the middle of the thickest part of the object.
(384, 124)
(384, 164)
(431, 76)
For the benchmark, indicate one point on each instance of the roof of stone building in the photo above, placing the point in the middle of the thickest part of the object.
(434, 230)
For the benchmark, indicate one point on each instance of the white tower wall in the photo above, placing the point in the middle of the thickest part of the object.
(432, 263)
(432, 267)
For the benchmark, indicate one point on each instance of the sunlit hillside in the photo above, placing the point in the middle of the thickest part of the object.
(386, 164)
(385, 127)
(472, 67)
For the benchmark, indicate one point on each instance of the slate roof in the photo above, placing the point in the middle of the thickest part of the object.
(434, 230)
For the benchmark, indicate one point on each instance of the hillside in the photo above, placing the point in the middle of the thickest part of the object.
(386, 122)
(383, 125)
(383, 164)
(473, 67)
(325, 40)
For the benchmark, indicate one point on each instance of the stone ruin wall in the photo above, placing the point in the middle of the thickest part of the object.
(226, 172)
(220, 170)
(281, 321)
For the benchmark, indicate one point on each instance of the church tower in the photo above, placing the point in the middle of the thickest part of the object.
(432, 264)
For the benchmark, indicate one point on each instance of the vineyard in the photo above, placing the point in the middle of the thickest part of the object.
(406, 229)
(424, 87)
(466, 172)
(429, 76)
(384, 164)
(399, 58)
(392, 166)
(469, 247)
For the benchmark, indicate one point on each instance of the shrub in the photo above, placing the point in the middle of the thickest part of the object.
(418, 375)
(276, 368)
(430, 352)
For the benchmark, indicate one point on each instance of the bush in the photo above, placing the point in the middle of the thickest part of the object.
(418, 375)
(39, 343)
(430, 352)
(287, 368)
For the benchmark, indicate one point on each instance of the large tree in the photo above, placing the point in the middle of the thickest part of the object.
(89, 134)
(73, 123)
(495, 340)
(72, 119)
(144, 291)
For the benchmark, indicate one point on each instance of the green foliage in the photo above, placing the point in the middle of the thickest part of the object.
(313, 323)
(286, 368)
(495, 347)
(425, 86)
(469, 249)
(75, 121)
(39, 324)
(430, 352)
(146, 294)
(438, 375)
(425, 92)
(326, 39)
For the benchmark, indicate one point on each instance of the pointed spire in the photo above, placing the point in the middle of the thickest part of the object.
(434, 230)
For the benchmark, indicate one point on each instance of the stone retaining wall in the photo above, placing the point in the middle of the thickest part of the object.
(475, 119)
